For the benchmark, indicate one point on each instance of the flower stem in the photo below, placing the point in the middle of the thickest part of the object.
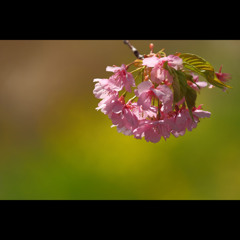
(137, 69)
(153, 101)
(124, 94)
(127, 66)
(132, 98)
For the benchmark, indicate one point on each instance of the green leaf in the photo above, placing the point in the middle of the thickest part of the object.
(179, 83)
(202, 67)
(190, 97)
(196, 62)
(177, 95)
(182, 89)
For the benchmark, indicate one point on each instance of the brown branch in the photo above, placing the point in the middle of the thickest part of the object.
(134, 50)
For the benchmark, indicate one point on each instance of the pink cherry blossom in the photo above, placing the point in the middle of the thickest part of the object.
(143, 114)
(144, 125)
(109, 103)
(100, 91)
(189, 122)
(183, 120)
(151, 61)
(125, 120)
(165, 95)
(201, 114)
(178, 122)
(198, 84)
(104, 87)
(146, 91)
(151, 113)
(152, 130)
(173, 61)
(144, 94)
(224, 77)
(159, 74)
(121, 77)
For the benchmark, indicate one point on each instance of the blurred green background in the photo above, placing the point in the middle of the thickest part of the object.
(55, 145)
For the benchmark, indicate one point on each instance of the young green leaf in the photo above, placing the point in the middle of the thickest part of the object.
(190, 98)
(197, 62)
(180, 80)
(177, 94)
(201, 67)
(179, 83)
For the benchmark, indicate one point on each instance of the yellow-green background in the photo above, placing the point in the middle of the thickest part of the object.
(55, 145)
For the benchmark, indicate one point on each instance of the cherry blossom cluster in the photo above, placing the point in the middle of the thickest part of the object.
(143, 105)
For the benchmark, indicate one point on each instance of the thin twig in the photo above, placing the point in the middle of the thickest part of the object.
(134, 50)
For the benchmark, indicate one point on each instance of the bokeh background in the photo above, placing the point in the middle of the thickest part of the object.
(55, 145)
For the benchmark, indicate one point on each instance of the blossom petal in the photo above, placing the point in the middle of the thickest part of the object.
(118, 107)
(143, 87)
(201, 84)
(174, 61)
(131, 118)
(152, 135)
(144, 100)
(158, 74)
(201, 114)
(150, 61)
(165, 95)
(112, 69)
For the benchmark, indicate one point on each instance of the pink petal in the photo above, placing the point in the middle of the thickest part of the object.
(116, 118)
(158, 74)
(101, 89)
(164, 128)
(143, 87)
(112, 69)
(151, 112)
(165, 95)
(150, 61)
(152, 135)
(124, 130)
(179, 122)
(117, 107)
(129, 82)
(201, 114)
(130, 79)
(174, 61)
(115, 85)
(143, 126)
(201, 84)
(159, 93)
(99, 92)
(144, 100)
(177, 134)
